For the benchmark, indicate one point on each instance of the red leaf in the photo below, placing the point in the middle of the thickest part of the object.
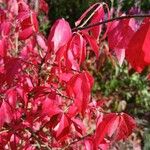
(97, 17)
(79, 126)
(5, 28)
(6, 114)
(86, 12)
(72, 111)
(23, 6)
(3, 48)
(138, 50)
(13, 6)
(59, 35)
(50, 107)
(78, 46)
(73, 54)
(65, 76)
(12, 68)
(2, 16)
(79, 87)
(103, 127)
(125, 128)
(28, 24)
(88, 144)
(62, 128)
(23, 93)
(92, 42)
(41, 42)
(105, 145)
(71, 61)
(114, 126)
(11, 95)
(119, 35)
(26, 33)
(1, 117)
(43, 6)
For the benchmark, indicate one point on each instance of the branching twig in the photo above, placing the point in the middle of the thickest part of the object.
(27, 62)
(75, 141)
(38, 139)
(110, 20)
(60, 94)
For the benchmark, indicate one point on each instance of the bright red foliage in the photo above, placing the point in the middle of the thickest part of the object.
(119, 36)
(138, 54)
(45, 90)
(59, 35)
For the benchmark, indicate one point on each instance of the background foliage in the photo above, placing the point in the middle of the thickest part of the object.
(71, 10)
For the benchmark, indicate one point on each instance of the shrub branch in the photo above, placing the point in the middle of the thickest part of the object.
(111, 20)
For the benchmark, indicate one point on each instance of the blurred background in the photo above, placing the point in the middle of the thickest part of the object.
(72, 9)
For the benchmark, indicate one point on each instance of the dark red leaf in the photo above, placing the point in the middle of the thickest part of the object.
(138, 50)
(119, 36)
(115, 126)
(92, 42)
(62, 128)
(43, 6)
(6, 114)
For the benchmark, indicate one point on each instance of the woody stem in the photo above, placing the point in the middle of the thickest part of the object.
(110, 20)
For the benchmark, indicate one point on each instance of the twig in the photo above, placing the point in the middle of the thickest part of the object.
(110, 20)
(56, 65)
(60, 94)
(75, 141)
(33, 134)
(40, 68)
(27, 62)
